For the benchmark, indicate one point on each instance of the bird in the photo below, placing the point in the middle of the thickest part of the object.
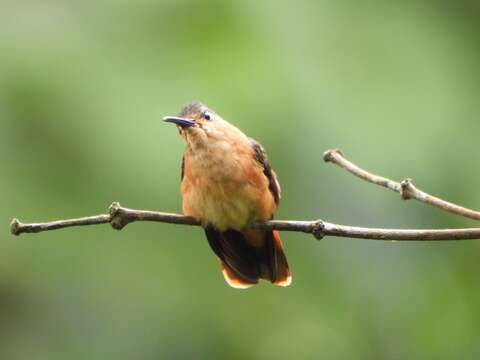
(226, 184)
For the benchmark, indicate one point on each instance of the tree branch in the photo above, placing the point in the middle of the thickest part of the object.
(405, 188)
(119, 217)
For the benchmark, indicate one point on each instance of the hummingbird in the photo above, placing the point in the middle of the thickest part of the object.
(226, 184)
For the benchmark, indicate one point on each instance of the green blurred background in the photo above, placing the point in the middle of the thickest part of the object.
(83, 86)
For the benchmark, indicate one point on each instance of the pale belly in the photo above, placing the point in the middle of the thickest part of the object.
(224, 207)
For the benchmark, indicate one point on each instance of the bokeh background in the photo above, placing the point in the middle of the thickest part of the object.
(83, 86)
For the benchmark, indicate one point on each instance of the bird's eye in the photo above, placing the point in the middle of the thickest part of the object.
(207, 116)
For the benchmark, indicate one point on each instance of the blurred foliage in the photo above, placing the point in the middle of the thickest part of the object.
(82, 88)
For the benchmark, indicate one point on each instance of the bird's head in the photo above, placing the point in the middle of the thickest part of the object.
(200, 126)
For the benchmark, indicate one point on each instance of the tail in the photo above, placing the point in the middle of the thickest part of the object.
(246, 257)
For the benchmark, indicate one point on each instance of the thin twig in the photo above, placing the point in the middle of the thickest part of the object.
(405, 188)
(119, 217)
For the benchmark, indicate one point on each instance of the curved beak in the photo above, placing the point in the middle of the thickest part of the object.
(182, 122)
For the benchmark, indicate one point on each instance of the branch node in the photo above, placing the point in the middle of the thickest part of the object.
(318, 230)
(329, 154)
(118, 216)
(114, 208)
(15, 227)
(407, 189)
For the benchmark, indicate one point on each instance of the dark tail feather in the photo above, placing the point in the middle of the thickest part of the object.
(243, 264)
(279, 271)
(238, 259)
(233, 279)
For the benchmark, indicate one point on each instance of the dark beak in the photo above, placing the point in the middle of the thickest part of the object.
(182, 122)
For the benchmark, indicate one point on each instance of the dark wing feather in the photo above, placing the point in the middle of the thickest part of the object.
(261, 157)
(183, 167)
